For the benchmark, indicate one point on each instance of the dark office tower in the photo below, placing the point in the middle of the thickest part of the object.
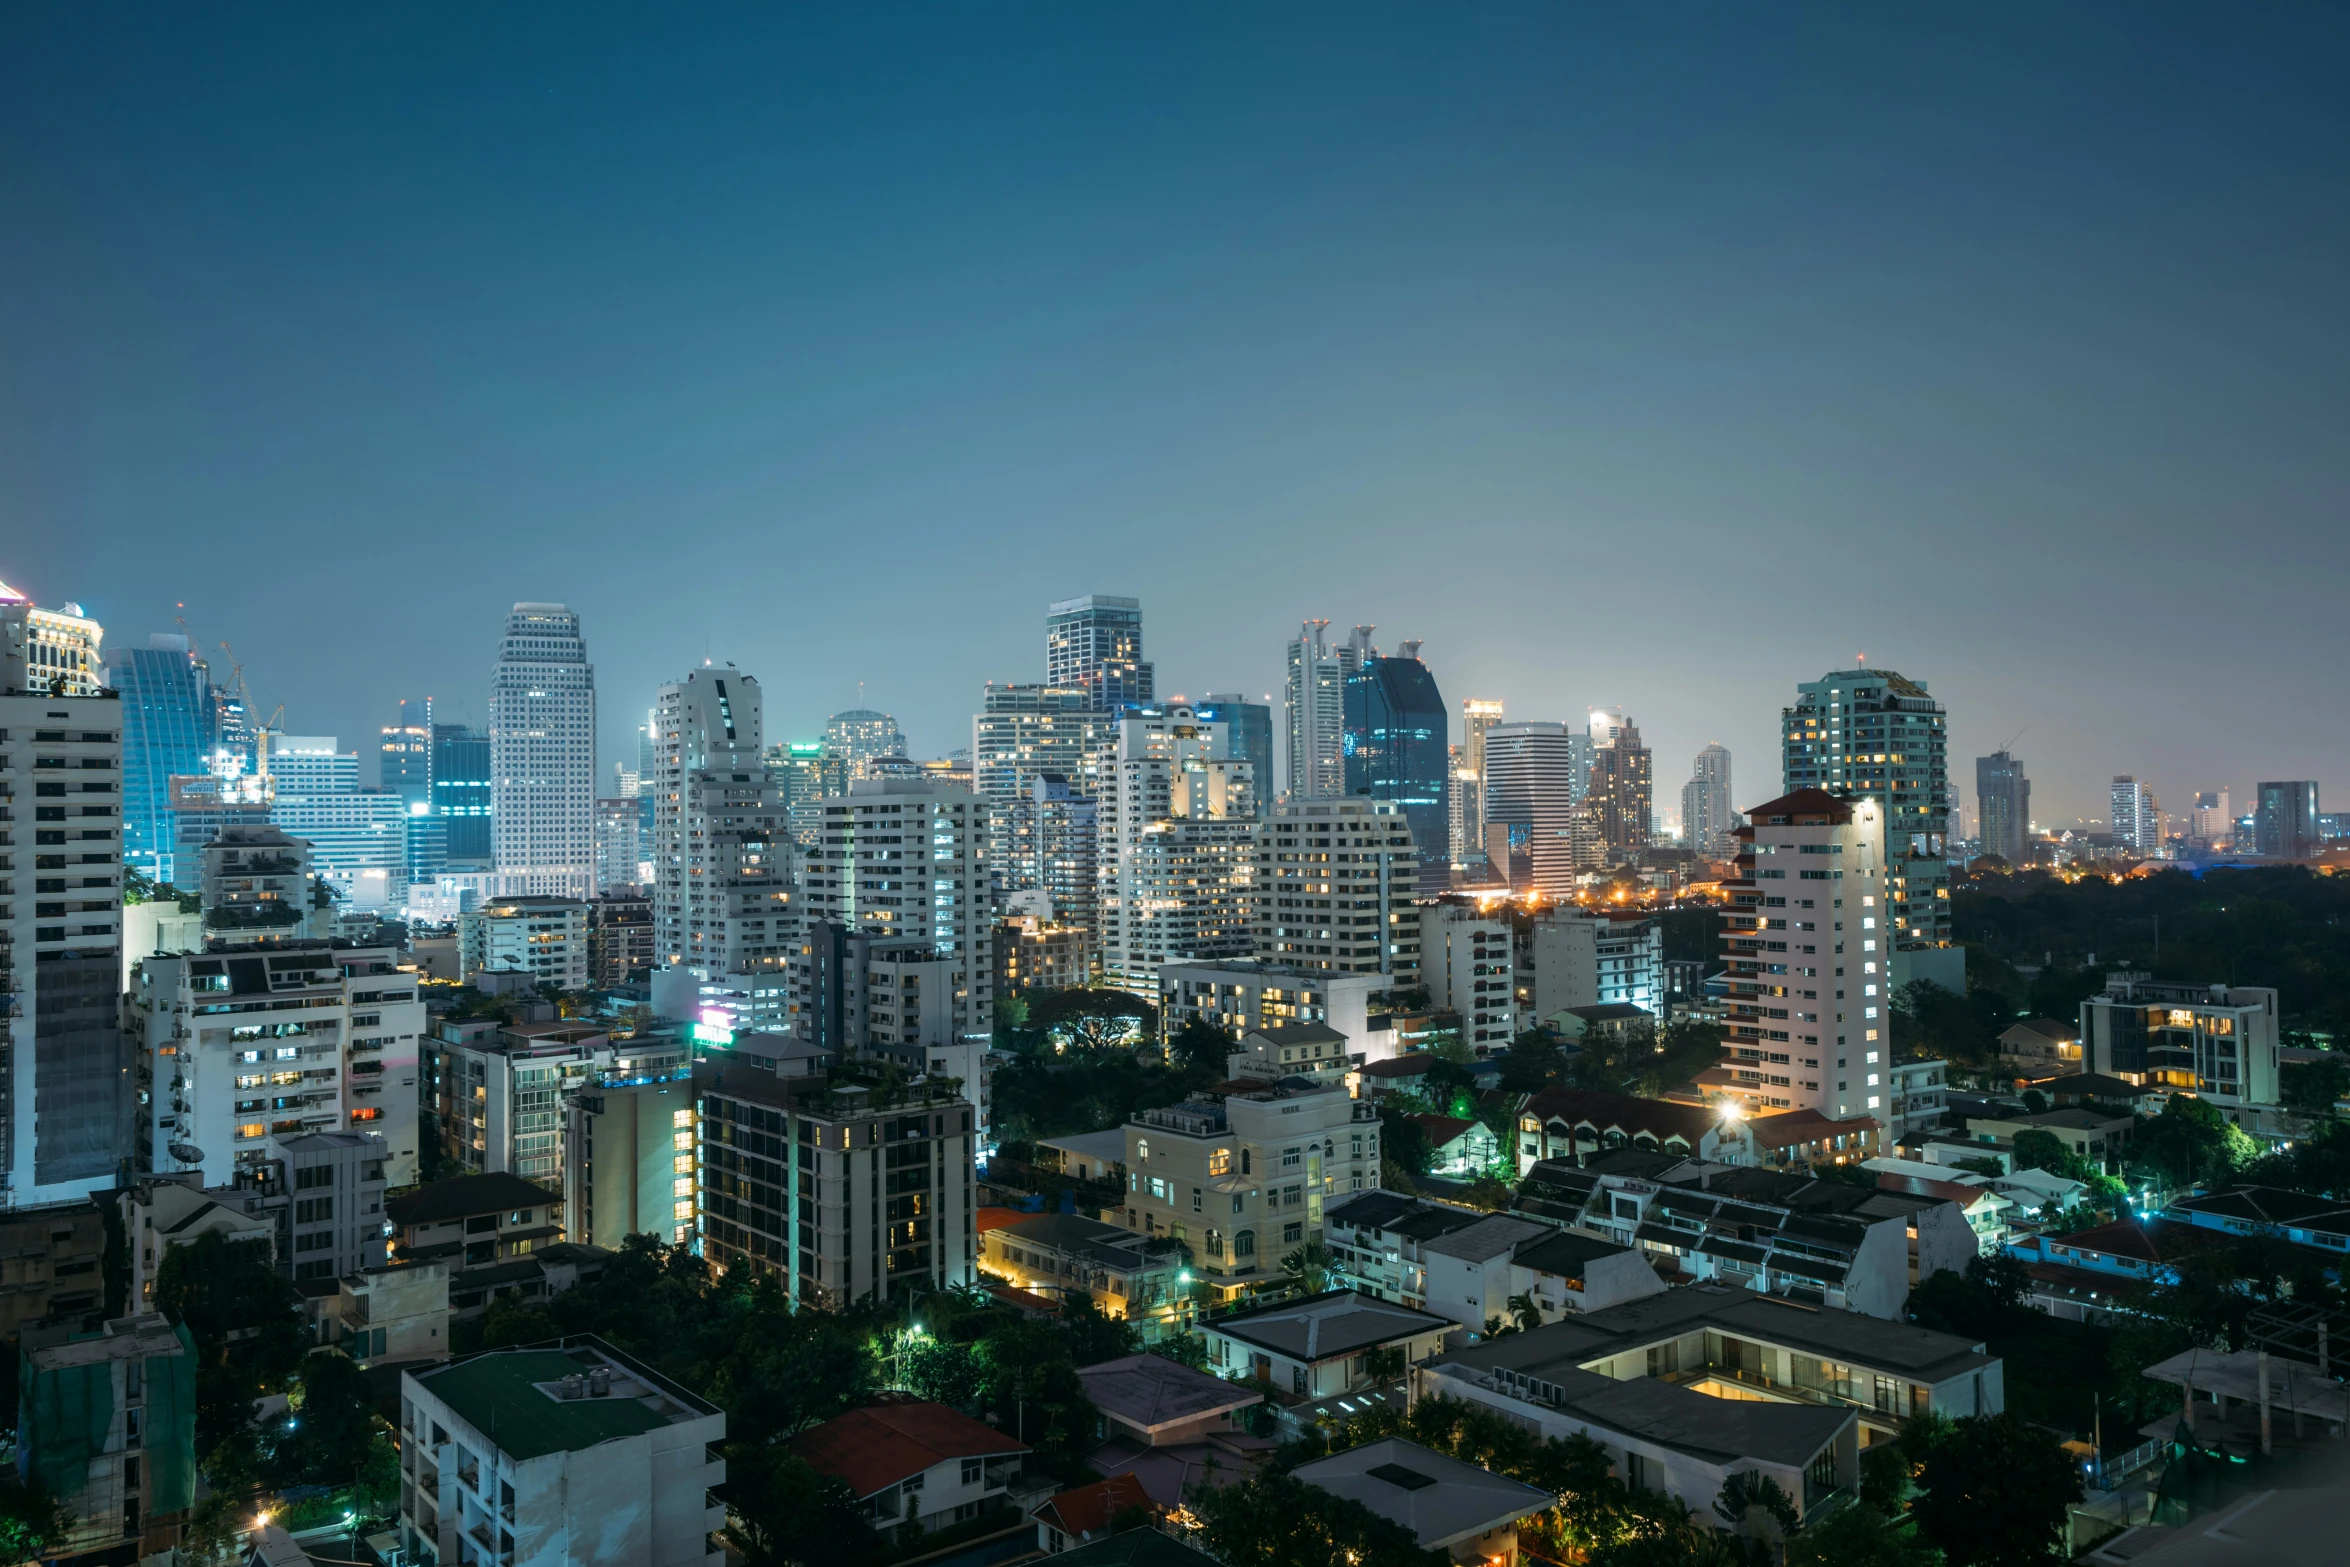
(1396, 745)
(1623, 785)
(407, 753)
(2284, 819)
(166, 731)
(1096, 642)
(1252, 739)
(461, 794)
(2003, 802)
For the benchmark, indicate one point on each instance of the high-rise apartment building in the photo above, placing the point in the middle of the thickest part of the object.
(65, 1088)
(1094, 644)
(1020, 734)
(406, 753)
(1315, 710)
(860, 737)
(903, 860)
(723, 855)
(1468, 963)
(2003, 806)
(1622, 791)
(2137, 816)
(358, 837)
(1056, 836)
(622, 852)
(166, 733)
(807, 775)
(1478, 716)
(1570, 957)
(2284, 819)
(2212, 823)
(1251, 726)
(1178, 824)
(1395, 749)
(1876, 733)
(543, 755)
(1808, 951)
(1530, 798)
(1707, 815)
(1334, 888)
(463, 796)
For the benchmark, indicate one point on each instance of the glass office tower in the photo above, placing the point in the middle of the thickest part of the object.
(1397, 748)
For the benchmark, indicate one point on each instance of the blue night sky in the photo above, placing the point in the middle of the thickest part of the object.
(1656, 357)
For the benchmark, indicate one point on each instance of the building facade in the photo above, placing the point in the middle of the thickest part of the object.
(1396, 749)
(2003, 807)
(1314, 712)
(1178, 824)
(543, 937)
(1335, 882)
(543, 755)
(2218, 1042)
(2284, 820)
(1622, 791)
(2137, 816)
(1535, 776)
(1094, 644)
(1468, 964)
(1708, 816)
(166, 733)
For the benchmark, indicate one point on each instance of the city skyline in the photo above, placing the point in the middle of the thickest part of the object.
(1197, 304)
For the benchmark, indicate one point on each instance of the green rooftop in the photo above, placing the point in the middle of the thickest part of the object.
(493, 1393)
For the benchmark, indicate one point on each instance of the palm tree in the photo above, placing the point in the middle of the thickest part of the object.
(1527, 1311)
(1311, 1269)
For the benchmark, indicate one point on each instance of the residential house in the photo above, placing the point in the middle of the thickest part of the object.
(2094, 1135)
(2041, 1047)
(161, 1213)
(1566, 1271)
(1610, 1020)
(1062, 1256)
(485, 1228)
(1467, 1512)
(1376, 1239)
(50, 1257)
(1093, 1512)
(1916, 1096)
(1272, 1051)
(907, 1461)
(1799, 1139)
(1403, 1074)
(390, 1315)
(1569, 1123)
(1087, 1156)
(1323, 1344)
(1458, 1145)
(2322, 1223)
(1468, 1272)
(1172, 1428)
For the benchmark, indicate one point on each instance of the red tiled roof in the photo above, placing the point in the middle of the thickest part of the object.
(1577, 1106)
(876, 1447)
(1090, 1508)
(1442, 1129)
(1789, 1128)
(1803, 802)
(996, 1217)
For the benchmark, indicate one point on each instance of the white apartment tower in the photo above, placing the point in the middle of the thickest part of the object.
(1468, 962)
(1177, 836)
(1334, 889)
(1535, 776)
(1316, 708)
(543, 755)
(65, 1091)
(1808, 946)
(2137, 816)
(723, 896)
(1707, 817)
(1478, 716)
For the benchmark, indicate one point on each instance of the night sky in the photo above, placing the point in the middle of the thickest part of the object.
(1654, 357)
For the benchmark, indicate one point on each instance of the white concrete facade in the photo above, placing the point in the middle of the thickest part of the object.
(543, 755)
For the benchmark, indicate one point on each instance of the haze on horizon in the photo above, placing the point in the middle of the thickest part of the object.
(1654, 360)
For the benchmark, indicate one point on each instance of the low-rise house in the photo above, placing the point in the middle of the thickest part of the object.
(2094, 1135)
(1608, 1020)
(1916, 1095)
(1740, 1352)
(1458, 1145)
(1277, 1050)
(1799, 1139)
(1573, 1123)
(1776, 1233)
(2322, 1223)
(390, 1315)
(1093, 1512)
(1469, 1274)
(1469, 1513)
(2032, 1191)
(1404, 1074)
(160, 1214)
(485, 1228)
(1324, 1344)
(1156, 1402)
(1986, 1211)
(50, 1263)
(1061, 1256)
(908, 1461)
(1572, 1272)
(1088, 1156)
(2041, 1047)
(2094, 1088)
(108, 1428)
(1377, 1240)
(534, 1457)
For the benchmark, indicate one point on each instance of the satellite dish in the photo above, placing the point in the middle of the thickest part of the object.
(187, 1153)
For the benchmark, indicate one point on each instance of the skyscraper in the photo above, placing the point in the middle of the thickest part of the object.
(65, 1081)
(543, 756)
(1876, 733)
(1022, 733)
(1334, 889)
(358, 837)
(2212, 823)
(1396, 749)
(2137, 816)
(1478, 715)
(1622, 792)
(1095, 644)
(723, 855)
(407, 753)
(463, 796)
(1178, 825)
(860, 737)
(1251, 724)
(2284, 819)
(1530, 800)
(2003, 806)
(166, 732)
(1707, 816)
(1315, 710)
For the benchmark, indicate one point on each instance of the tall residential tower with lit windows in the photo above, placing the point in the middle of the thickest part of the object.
(543, 755)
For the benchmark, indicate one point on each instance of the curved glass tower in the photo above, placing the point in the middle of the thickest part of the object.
(1396, 749)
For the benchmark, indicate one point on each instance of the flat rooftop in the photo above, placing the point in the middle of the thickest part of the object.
(513, 1397)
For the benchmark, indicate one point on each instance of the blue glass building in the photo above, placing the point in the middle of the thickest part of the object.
(1252, 739)
(461, 794)
(1396, 748)
(166, 730)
